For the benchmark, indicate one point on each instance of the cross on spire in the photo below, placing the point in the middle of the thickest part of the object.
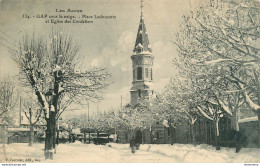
(141, 8)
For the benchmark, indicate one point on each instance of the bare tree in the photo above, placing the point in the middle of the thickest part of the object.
(180, 97)
(49, 66)
(165, 110)
(218, 44)
(8, 100)
(34, 114)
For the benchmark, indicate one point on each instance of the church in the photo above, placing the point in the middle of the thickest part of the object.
(142, 63)
(143, 87)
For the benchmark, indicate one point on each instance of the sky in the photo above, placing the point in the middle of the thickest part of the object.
(105, 42)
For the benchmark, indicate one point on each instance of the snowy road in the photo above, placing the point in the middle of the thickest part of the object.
(81, 153)
(99, 153)
(121, 153)
(143, 156)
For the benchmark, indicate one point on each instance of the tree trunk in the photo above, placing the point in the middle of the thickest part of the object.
(70, 137)
(151, 135)
(164, 135)
(115, 138)
(205, 129)
(258, 111)
(175, 134)
(258, 115)
(171, 132)
(85, 138)
(210, 132)
(235, 127)
(31, 138)
(50, 135)
(58, 132)
(171, 135)
(143, 133)
(58, 137)
(54, 133)
(192, 134)
(143, 137)
(56, 110)
(217, 135)
(200, 137)
(89, 137)
(31, 129)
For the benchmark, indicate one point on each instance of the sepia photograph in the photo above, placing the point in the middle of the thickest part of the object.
(129, 81)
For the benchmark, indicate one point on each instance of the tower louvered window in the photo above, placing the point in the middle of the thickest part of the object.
(139, 73)
(146, 72)
(151, 74)
(134, 74)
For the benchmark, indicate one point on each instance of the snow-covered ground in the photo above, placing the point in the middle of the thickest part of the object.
(120, 153)
(186, 153)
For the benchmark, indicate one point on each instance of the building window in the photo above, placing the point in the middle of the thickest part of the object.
(139, 49)
(126, 136)
(151, 74)
(134, 74)
(157, 135)
(139, 73)
(146, 72)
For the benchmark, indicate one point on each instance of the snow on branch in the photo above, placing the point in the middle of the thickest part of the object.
(211, 111)
(213, 62)
(225, 108)
(251, 104)
(204, 113)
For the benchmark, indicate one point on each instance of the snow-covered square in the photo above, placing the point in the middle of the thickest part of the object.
(120, 153)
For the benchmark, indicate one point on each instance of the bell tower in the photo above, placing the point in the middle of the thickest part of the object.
(142, 63)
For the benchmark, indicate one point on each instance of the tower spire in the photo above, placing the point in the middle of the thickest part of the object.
(141, 8)
(142, 41)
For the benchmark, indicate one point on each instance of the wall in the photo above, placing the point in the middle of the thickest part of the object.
(249, 133)
(3, 134)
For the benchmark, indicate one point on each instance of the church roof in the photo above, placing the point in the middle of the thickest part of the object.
(142, 42)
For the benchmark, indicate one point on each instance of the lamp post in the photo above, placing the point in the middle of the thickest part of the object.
(88, 126)
(48, 141)
(58, 130)
(48, 97)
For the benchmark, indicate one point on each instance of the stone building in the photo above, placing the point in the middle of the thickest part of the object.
(142, 63)
(143, 88)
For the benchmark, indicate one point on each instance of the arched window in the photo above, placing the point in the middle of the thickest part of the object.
(139, 73)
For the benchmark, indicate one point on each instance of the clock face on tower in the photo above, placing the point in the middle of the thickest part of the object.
(139, 61)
